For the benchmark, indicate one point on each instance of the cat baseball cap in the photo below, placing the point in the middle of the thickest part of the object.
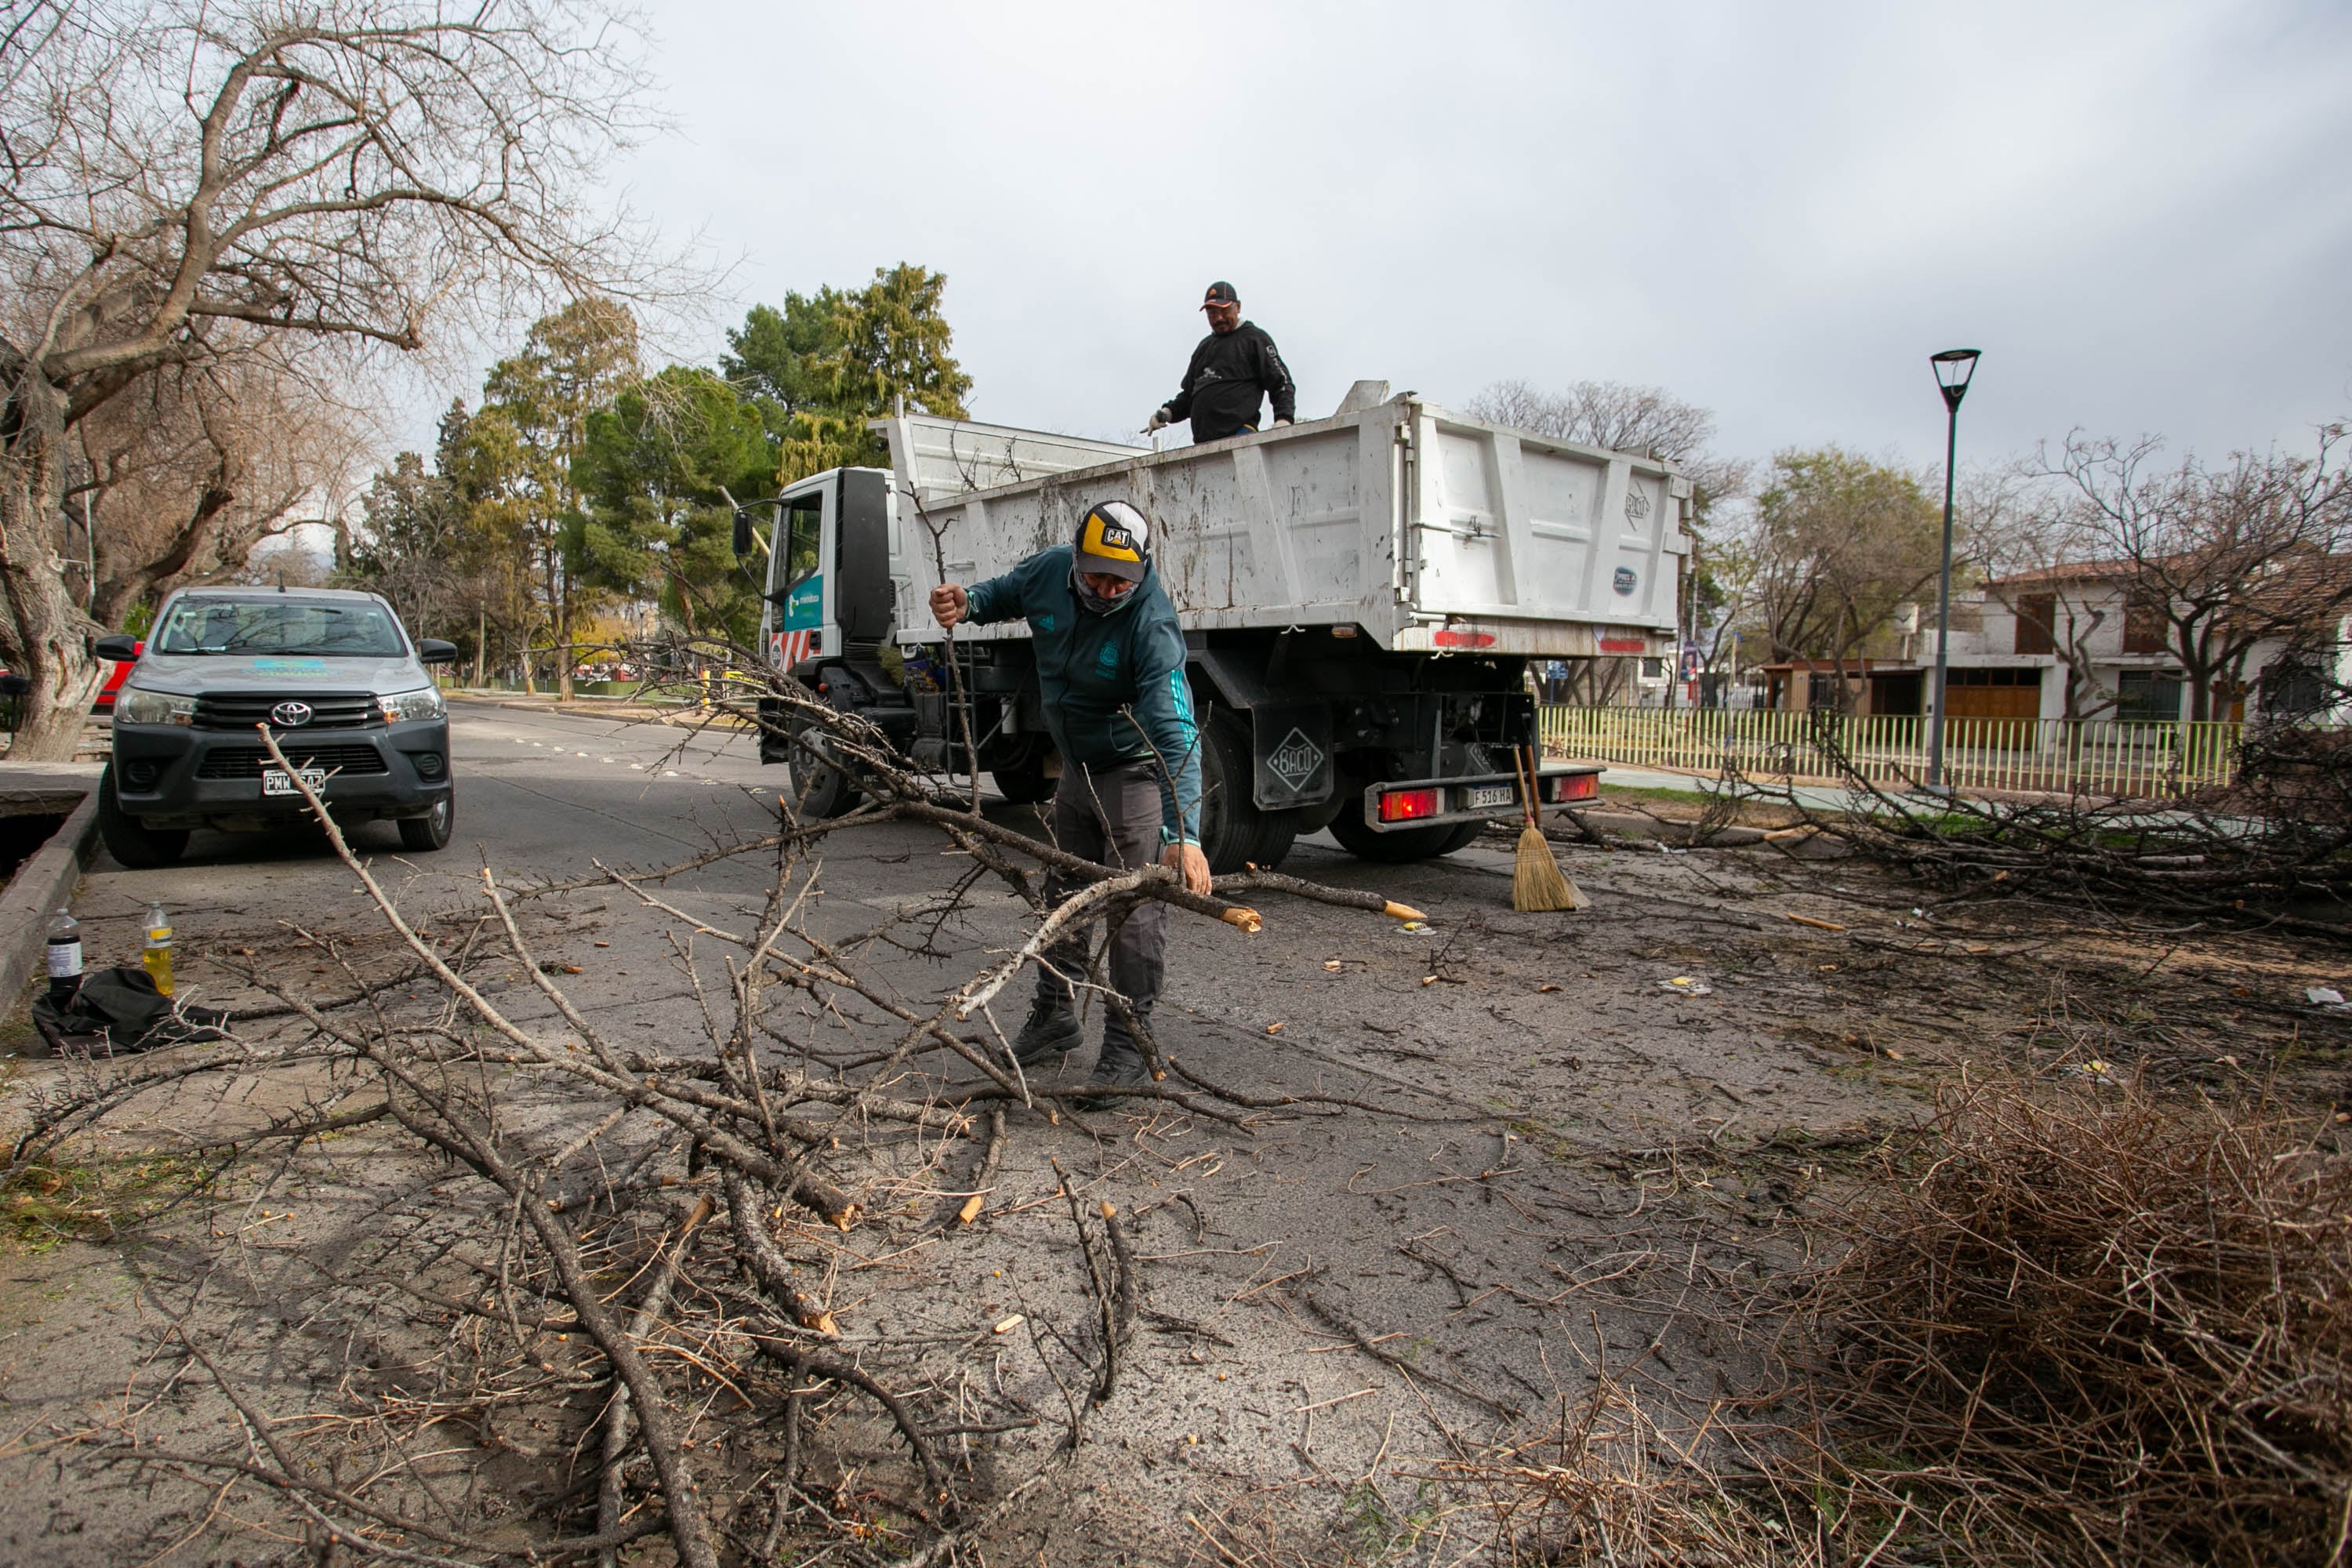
(1220, 293)
(1115, 540)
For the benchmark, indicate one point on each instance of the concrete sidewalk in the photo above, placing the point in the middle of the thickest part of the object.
(1817, 797)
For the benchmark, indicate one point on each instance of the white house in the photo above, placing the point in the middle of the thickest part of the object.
(2020, 643)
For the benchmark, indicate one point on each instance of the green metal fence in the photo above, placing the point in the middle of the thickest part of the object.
(2093, 756)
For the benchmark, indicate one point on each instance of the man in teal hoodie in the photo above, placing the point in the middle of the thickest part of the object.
(1111, 667)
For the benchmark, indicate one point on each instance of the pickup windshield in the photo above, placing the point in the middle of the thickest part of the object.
(356, 630)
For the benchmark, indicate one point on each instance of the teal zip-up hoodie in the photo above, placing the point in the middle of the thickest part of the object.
(1091, 667)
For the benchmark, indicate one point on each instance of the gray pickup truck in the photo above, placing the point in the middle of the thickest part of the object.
(333, 674)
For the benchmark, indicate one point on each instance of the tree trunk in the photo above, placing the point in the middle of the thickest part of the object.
(45, 633)
(563, 643)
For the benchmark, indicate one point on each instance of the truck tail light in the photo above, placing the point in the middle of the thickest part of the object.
(1404, 805)
(1576, 786)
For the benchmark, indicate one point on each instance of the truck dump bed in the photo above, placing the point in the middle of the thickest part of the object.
(1429, 531)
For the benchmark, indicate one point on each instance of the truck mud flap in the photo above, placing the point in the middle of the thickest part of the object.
(771, 731)
(1290, 746)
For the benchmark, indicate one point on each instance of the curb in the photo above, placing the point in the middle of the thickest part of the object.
(40, 884)
(1637, 825)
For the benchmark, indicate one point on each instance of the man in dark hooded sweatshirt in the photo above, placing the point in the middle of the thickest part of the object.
(1235, 369)
(1110, 668)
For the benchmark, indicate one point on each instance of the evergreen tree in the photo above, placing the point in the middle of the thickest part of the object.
(827, 363)
(653, 475)
(518, 449)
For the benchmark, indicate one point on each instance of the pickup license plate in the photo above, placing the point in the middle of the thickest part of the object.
(1484, 796)
(274, 781)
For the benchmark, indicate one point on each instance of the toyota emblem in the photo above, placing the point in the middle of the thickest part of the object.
(291, 715)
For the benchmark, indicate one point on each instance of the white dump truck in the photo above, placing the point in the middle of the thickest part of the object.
(1361, 596)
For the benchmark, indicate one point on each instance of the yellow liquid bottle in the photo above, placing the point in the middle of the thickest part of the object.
(157, 954)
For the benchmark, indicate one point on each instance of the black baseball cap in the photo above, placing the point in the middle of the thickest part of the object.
(1220, 293)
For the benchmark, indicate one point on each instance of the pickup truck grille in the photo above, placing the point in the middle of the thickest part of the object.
(329, 710)
(246, 762)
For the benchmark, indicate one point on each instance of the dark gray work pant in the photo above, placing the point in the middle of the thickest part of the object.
(1110, 815)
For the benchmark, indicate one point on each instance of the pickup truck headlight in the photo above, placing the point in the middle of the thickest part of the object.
(136, 705)
(399, 707)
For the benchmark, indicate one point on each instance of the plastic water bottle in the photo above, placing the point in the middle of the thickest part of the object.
(65, 958)
(157, 954)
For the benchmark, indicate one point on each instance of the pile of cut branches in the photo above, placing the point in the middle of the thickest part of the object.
(2281, 836)
(612, 1247)
(1606, 1483)
(2086, 1325)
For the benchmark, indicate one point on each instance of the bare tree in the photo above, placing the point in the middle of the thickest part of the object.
(188, 179)
(2214, 561)
(1837, 544)
(186, 471)
(2016, 531)
(1621, 419)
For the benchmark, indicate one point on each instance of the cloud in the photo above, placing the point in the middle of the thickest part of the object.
(2138, 212)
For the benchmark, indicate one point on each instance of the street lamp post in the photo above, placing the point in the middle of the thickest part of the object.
(1953, 369)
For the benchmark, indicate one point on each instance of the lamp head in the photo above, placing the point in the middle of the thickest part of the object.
(1953, 369)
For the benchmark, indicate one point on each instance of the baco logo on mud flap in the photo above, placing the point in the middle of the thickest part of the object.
(1294, 760)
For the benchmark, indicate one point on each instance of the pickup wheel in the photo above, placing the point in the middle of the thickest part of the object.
(1405, 843)
(127, 839)
(422, 834)
(1235, 833)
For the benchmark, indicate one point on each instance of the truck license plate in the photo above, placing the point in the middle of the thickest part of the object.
(1484, 796)
(274, 781)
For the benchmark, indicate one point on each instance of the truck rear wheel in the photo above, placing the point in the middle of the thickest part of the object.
(1235, 833)
(1467, 834)
(1024, 784)
(1404, 843)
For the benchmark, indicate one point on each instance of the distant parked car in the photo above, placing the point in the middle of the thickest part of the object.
(336, 679)
(13, 688)
(104, 705)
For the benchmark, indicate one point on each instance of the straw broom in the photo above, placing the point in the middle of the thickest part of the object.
(1537, 881)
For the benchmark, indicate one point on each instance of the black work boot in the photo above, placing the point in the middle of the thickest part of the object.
(1119, 1067)
(1052, 1031)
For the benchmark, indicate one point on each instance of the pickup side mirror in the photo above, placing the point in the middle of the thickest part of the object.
(118, 649)
(433, 651)
(744, 541)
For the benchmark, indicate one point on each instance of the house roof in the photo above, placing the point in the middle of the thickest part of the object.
(2300, 566)
(2072, 572)
(1854, 667)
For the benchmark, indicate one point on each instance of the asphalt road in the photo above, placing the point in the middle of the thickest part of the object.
(540, 794)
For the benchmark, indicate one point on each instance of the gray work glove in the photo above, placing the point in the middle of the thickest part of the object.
(1160, 420)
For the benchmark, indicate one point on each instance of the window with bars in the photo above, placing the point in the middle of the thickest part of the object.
(2148, 696)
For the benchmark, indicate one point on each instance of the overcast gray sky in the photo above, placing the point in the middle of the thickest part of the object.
(1778, 211)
